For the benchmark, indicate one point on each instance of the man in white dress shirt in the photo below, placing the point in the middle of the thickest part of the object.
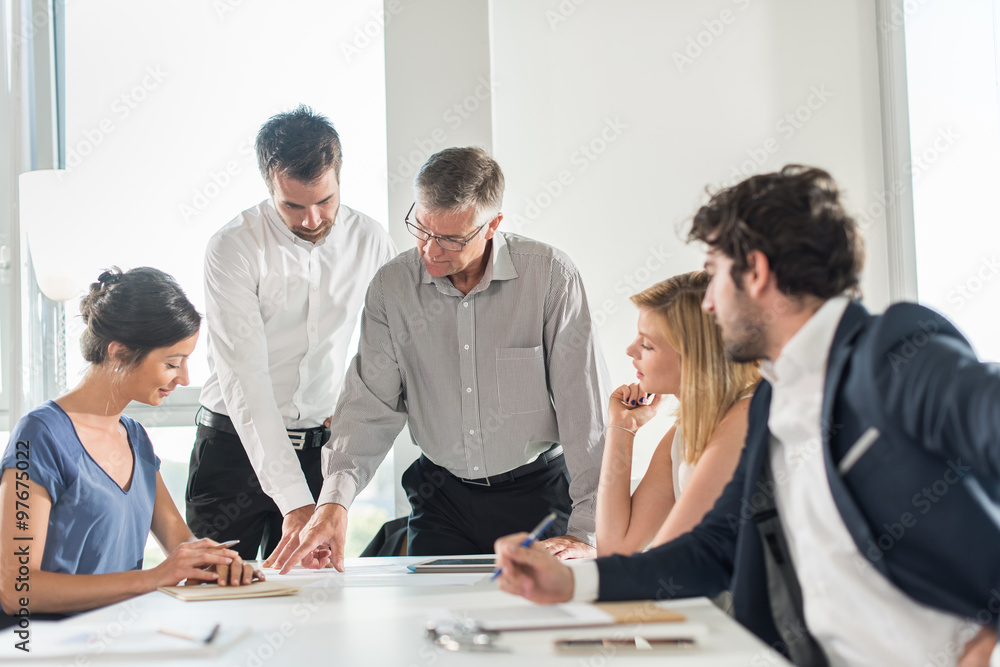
(284, 284)
(860, 527)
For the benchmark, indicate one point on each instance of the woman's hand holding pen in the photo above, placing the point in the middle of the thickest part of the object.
(202, 561)
(630, 408)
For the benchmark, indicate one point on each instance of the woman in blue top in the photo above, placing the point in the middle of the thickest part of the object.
(81, 488)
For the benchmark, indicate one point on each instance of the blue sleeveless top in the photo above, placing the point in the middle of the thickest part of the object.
(95, 527)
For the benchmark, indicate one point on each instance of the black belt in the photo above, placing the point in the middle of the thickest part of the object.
(306, 438)
(540, 463)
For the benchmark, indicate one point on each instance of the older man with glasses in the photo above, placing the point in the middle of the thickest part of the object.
(484, 343)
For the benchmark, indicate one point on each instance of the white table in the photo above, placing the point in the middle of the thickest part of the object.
(367, 625)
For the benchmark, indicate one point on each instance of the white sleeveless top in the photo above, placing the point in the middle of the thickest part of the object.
(681, 469)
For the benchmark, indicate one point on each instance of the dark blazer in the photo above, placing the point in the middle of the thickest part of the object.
(921, 502)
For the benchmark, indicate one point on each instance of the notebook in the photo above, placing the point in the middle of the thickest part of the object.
(481, 564)
(570, 615)
(258, 589)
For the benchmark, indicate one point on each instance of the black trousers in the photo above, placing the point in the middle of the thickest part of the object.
(224, 498)
(451, 517)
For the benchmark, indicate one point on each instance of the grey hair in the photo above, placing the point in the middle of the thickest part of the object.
(460, 178)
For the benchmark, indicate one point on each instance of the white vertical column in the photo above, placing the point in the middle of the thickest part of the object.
(438, 95)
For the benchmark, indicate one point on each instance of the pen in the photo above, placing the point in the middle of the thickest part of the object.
(226, 545)
(542, 526)
(207, 639)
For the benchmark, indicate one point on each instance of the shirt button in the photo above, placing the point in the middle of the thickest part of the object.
(475, 467)
(466, 347)
(465, 305)
(468, 390)
(472, 432)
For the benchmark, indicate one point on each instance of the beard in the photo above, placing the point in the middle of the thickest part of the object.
(744, 333)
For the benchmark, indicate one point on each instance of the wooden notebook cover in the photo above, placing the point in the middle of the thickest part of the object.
(639, 611)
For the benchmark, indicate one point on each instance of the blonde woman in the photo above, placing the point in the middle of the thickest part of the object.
(678, 351)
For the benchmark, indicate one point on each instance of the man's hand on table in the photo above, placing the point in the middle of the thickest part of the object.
(566, 547)
(320, 543)
(291, 525)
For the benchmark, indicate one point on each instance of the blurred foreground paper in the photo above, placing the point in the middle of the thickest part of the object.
(77, 643)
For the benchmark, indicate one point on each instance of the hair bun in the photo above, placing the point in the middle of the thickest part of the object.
(109, 278)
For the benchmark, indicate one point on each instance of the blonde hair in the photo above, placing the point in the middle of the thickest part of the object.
(710, 383)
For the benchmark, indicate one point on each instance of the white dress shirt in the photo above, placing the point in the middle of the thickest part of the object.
(280, 314)
(857, 616)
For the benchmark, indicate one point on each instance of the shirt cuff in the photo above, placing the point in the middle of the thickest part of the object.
(586, 580)
(339, 489)
(292, 499)
(582, 529)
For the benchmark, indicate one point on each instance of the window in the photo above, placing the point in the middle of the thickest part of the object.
(163, 102)
(951, 57)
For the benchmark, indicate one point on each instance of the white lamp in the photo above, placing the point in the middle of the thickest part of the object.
(58, 221)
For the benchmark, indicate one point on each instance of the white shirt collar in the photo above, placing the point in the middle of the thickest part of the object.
(272, 216)
(809, 349)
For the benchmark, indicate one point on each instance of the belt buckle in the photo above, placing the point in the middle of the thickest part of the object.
(298, 439)
(476, 482)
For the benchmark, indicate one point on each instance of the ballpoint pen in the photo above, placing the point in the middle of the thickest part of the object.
(542, 526)
(206, 639)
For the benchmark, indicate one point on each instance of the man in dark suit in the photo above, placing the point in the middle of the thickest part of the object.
(861, 526)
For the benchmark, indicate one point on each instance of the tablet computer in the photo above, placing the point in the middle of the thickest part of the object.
(480, 564)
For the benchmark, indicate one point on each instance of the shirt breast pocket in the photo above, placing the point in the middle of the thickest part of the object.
(521, 382)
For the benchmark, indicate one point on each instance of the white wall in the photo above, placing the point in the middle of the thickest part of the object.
(611, 118)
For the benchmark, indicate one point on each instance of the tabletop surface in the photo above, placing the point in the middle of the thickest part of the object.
(374, 614)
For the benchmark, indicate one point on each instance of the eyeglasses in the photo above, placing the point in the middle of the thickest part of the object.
(444, 243)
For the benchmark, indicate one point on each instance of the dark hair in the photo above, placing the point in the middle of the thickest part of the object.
(299, 144)
(143, 309)
(459, 178)
(795, 218)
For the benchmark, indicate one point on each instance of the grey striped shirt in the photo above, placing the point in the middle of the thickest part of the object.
(487, 380)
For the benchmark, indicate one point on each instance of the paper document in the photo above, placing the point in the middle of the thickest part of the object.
(374, 575)
(60, 639)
